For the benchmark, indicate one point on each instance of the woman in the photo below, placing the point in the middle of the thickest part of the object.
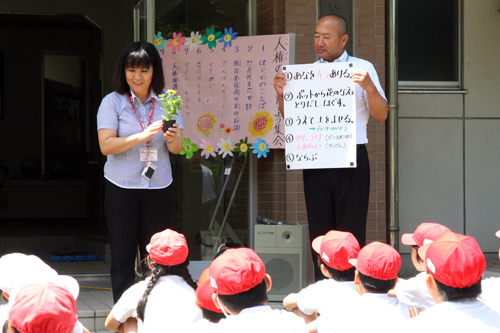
(138, 174)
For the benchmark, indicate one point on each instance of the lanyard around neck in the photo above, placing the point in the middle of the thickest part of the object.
(150, 117)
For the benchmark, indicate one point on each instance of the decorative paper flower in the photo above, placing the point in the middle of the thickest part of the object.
(205, 123)
(261, 148)
(261, 124)
(227, 130)
(242, 147)
(209, 148)
(211, 38)
(176, 42)
(226, 147)
(188, 148)
(193, 40)
(229, 36)
(159, 41)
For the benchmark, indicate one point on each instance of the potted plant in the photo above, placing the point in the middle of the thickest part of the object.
(171, 105)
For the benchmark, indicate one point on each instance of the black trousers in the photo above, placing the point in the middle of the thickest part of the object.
(338, 199)
(132, 217)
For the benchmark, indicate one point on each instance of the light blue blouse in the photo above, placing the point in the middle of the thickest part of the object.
(124, 169)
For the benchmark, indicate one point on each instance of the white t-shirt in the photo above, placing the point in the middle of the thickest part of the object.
(374, 313)
(455, 317)
(261, 319)
(491, 293)
(326, 296)
(170, 304)
(413, 292)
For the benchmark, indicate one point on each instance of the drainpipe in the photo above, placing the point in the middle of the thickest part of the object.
(392, 200)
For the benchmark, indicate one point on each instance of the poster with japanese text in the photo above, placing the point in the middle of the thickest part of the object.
(227, 89)
(320, 116)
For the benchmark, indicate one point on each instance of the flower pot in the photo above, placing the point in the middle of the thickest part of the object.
(167, 124)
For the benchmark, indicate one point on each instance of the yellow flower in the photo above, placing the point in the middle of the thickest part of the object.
(261, 124)
(171, 92)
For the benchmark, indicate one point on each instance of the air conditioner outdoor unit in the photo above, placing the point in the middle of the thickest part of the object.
(282, 248)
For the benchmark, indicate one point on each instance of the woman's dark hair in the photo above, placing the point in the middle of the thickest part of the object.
(337, 275)
(238, 302)
(138, 54)
(466, 294)
(212, 316)
(158, 271)
(374, 285)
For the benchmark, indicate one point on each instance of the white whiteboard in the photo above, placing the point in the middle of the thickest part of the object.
(320, 116)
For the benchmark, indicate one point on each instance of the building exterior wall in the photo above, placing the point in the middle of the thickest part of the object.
(281, 195)
(449, 164)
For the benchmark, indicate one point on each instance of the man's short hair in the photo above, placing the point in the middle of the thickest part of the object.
(466, 294)
(337, 275)
(374, 285)
(341, 23)
(247, 299)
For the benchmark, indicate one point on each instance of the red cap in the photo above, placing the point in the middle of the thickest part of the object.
(424, 234)
(336, 248)
(43, 308)
(236, 271)
(204, 294)
(454, 260)
(378, 260)
(168, 248)
(497, 234)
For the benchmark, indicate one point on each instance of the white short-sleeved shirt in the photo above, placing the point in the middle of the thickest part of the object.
(261, 319)
(491, 293)
(374, 313)
(455, 317)
(170, 304)
(362, 109)
(413, 292)
(326, 296)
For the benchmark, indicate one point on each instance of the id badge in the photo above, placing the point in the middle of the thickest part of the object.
(148, 171)
(153, 154)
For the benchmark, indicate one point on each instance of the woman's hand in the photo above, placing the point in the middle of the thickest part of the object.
(173, 138)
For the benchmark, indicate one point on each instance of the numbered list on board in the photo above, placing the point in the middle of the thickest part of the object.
(320, 116)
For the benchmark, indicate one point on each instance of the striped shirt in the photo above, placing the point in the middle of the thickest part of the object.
(124, 169)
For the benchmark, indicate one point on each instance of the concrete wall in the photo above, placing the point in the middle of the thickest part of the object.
(449, 161)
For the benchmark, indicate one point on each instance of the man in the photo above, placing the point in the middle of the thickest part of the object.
(338, 198)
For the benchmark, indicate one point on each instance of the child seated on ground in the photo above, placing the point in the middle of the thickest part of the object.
(454, 265)
(164, 301)
(204, 300)
(377, 268)
(491, 289)
(240, 282)
(413, 292)
(43, 308)
(334, 251)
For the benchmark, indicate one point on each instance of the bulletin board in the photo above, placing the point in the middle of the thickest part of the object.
(226, 83)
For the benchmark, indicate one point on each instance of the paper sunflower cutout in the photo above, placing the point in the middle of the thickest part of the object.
(176, 42)
(261, 124)
(211, 38)
(193, 40)
(188, 148)
(228, 37)
(209, 148)
(159, 41)
(261, 148)
(242, 147)
(226, 147)
(205, 123)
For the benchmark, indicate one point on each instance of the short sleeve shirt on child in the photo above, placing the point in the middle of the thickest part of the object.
(455, 317)
(262, 319)
(491, 293)
(326, 296)
(374, 313)
(413, 292)
(170, 304)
